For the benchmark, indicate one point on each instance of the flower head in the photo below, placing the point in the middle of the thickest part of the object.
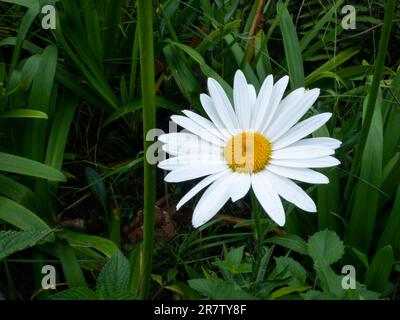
(259, 143)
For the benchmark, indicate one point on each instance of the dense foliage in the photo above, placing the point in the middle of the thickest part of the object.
(71, 150)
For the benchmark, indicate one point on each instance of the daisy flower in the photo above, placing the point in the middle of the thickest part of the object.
(257, 143)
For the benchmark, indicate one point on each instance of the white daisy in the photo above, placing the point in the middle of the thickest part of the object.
(257, 144)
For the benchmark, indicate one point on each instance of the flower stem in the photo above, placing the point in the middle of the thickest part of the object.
(146, 51)
(259, 232)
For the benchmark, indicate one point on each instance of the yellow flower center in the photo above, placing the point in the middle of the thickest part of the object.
(248, 152)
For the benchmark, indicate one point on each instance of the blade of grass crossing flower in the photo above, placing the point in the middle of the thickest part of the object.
(292, 48)
(145, 22)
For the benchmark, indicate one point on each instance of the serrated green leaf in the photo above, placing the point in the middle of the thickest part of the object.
(113, 280)
(14, 241)
(325, 246)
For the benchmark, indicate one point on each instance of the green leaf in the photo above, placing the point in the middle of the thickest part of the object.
(379, 271)
(334, 62)
(14, 241)
(391, 234)
(325, 246)
(24, 166)
(290, 241)
(292, 48)
(20, 217)
(113, 280)
(23, 113)
(289, 267)
(60, 129)
(97, 186)
(287, 290)
(219, 289)
(76, 239)
(17, 192)
(77, 293)
(232, 262)
(363, 213)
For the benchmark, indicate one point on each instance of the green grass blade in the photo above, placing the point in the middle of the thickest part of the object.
(23, 113)
(292, 48)
(24, 166)
(373, 94)
(378, 273)
(20, 217)
(363, 213)
(146, 49)
(391, 234)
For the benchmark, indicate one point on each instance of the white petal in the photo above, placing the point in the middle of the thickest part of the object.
(263, 102)
(211, 110)
(222, 105)
(205, 123)
(301, 130)
(182, 143)
(302, 152)
(181, 161)
(268, 198)
(300, 174)
(212, 200)
(291, 192)
(200, 186)
(240, 186)
(190, 172)
(323, 162)
(320, 141)
(277, 94)
(192, 126)
(252, 95)
(188, 149)
(290, 111)
(241, 99)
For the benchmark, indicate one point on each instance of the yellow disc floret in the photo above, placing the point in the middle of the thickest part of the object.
(248, 152)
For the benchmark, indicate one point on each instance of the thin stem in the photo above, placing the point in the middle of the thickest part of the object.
(259, 230)
(146, 51)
